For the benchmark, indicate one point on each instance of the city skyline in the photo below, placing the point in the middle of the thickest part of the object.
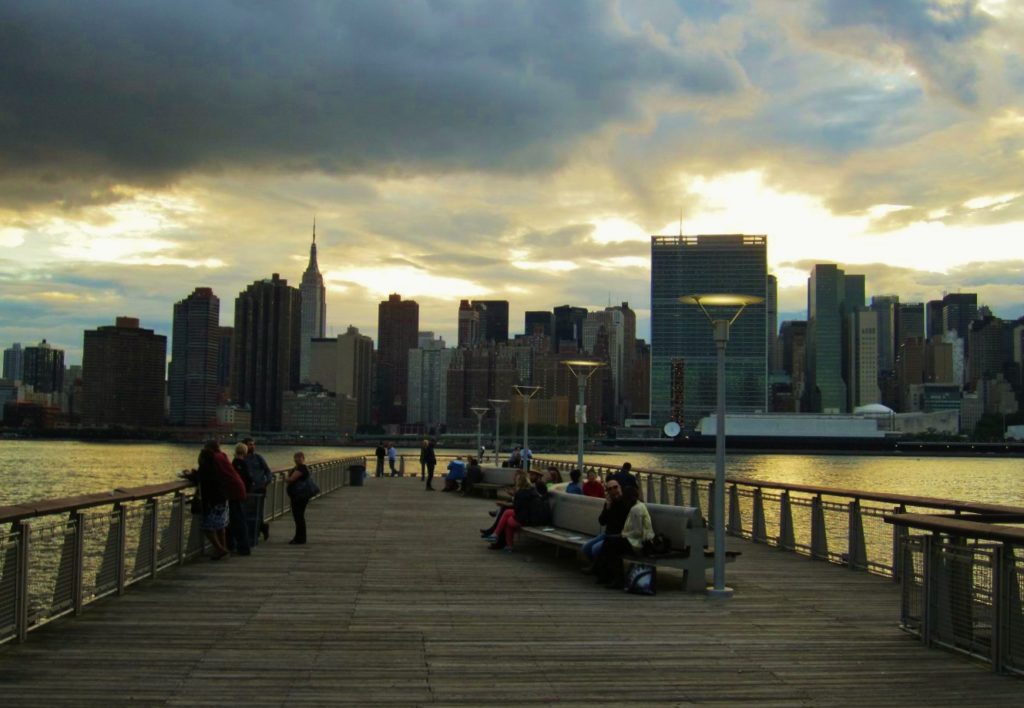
(455, 154)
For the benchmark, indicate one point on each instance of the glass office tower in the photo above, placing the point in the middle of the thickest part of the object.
(682, 350)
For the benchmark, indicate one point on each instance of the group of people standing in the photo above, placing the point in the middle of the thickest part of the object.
(232, 492)
(386, 449)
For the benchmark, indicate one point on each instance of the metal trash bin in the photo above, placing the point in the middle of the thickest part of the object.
(355, 475)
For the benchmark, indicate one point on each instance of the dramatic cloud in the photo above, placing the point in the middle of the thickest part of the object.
(521, 151)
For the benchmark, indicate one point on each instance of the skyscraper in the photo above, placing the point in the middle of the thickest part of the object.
(344, 365)
(959, 310)
(192, 379)
(683, 355)
(569, 325)
(314, 308)
(539, 319)
(493, 320)
(265, 361)
(469, 325)
(428, 383)
(909, 322)
(123, 375)
(14, 362)
(886, 307)
(771, 314)
(825, 389)
(44, 368)
(398, 323)
(862, 369)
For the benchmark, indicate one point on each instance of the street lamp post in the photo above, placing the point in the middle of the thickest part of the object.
(582, 369)
(720, 333)
(497, 403)
(480, 413)
(527, 392)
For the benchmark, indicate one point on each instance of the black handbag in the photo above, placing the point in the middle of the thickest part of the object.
(195, 504)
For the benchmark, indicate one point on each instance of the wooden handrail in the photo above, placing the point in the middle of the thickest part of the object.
(959, 526)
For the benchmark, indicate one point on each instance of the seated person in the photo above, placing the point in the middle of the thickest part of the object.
(593, 487)
(474, 474)
(574, 486)
(529, 508)
(537, 480)
(553, 476)
(635, 532)
(456, 474)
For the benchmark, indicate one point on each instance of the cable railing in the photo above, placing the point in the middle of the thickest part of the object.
(59, 555)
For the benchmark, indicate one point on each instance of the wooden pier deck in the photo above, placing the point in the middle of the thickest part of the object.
(396, 601)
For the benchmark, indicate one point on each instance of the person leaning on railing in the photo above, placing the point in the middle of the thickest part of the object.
(214, 500)
(261, 476)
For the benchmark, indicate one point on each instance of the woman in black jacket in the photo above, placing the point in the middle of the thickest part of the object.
(430, 460)
(524, 512)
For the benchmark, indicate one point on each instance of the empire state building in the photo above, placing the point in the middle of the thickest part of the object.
(314, 309)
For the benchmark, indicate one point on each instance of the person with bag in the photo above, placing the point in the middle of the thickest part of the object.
(637, 530)
(301, 488)
(214, 502)
(238, 536)
(529, 508)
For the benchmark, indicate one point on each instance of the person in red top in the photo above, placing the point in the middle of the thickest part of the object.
(234, 490)
(593, 487)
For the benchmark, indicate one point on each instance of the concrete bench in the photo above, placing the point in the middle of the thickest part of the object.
(495, 479)
(574, 522)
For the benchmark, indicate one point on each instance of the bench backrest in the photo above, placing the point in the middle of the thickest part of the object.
(683, 525)
(498, 475)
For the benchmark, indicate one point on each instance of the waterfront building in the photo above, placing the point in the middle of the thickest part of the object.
(314, 309)
(771, 317)
(314, 411)
(225, 339)
(910, 367)
(831, 296)
(469, 325)
(984, 350)
(683, 354)
(14, 362)
(493, 320)
(542, 320)
(640, 379)
(428, 383)
(43, 369)
(909, 322)
(344, 365)
(235, 419)
(193, 384)
(123, 375)
(475, 375)
(398, 323)
(862, 338)
(265, 361)
(959, 310)
(569, 327)
(885, 308)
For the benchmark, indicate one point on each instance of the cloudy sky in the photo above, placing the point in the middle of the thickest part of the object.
(502, 150)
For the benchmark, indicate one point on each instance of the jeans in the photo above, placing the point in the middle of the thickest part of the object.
(592, 547)
(380, 466)
(299, 515)
(391, 464)
(238, 538)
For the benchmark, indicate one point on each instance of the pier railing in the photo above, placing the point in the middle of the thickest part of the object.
(842, 526)
(963, 583)
(59, 555)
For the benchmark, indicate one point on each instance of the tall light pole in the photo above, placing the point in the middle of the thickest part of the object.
(720, 333)
(480, 413)
(496, 404)
(527, 392)
(582, 369)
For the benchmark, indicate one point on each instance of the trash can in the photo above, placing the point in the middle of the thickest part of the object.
(355, 475)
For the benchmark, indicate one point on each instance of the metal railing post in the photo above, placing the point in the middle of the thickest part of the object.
(735, 526)
(1000, 607)
(178, 511)
(78, 580)
(819, 538)
(695, 495)
(677, 490)
(154, 524)
(787, 540)
(759, 532)
(122, 546)
(899, 534)
(21, 582)
(650, 488)
(856, 549)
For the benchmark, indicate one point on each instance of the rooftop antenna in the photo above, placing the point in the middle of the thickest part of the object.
(314, 228)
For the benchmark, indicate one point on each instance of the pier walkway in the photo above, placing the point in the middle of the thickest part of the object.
(396, 601)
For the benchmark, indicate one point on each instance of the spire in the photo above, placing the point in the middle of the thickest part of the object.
(313, 267)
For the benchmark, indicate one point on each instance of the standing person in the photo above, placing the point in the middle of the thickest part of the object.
(297, 485)
(214, 501)
(423, 460)
(379, 452)
(392, 457)
(430, 460)
(526, 455)
(516, 458)
(625, 477)
(261, 476)
(236, 488)
(593, 487)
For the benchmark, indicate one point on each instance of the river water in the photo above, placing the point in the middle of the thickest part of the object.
(33, 470)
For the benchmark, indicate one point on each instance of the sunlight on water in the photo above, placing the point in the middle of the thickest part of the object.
(32, 470)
